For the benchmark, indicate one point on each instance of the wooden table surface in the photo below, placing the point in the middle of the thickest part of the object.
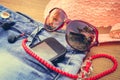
(35, 9)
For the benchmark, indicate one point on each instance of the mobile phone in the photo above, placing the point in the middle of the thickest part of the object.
(50, 49)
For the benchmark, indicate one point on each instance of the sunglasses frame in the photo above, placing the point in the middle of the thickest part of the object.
(68, 21)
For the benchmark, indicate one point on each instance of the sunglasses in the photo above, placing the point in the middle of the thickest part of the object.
(80, 35)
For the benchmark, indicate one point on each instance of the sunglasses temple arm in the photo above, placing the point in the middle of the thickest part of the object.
(96, 40)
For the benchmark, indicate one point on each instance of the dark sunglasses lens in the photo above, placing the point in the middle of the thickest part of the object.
(79, 35)
(55, 19)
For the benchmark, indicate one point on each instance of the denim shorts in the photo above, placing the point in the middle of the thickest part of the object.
(16, 64)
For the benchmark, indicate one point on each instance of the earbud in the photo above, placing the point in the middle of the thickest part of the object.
(13, 38)
(7, 25)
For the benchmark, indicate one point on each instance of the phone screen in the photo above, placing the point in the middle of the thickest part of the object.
(44, 50)
(50, 49)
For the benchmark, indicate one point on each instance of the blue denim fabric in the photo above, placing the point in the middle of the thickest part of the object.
(16, 64)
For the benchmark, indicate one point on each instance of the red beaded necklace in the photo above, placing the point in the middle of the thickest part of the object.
(85, 69)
